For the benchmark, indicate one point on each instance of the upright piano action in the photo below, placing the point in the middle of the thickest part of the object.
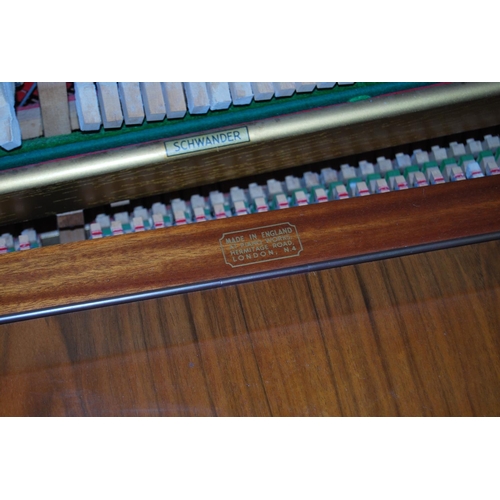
(357, 306)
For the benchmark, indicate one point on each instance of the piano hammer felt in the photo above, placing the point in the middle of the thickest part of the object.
(10, 132)
(241, 93)
(197, 97)
(154, 104)
(175, 101)
(305, 86)
(132, 105)
(54, 106)
(283, 89)
(87, 106)
(219, 95)
(262, 91)
(109, 102)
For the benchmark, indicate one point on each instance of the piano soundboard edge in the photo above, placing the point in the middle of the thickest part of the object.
(94, 273)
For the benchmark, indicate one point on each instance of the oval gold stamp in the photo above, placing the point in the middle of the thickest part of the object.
(260, 244)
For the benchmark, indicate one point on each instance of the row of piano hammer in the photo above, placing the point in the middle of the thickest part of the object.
(110, 104)
(132, 102)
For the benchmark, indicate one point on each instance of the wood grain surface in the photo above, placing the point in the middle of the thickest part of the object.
(415, 335)
(153, 260)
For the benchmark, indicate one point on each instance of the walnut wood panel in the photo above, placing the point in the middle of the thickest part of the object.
(277, 143)
(417, 335)
(170, 257)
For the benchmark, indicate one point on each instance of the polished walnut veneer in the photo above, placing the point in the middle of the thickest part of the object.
(414, 335)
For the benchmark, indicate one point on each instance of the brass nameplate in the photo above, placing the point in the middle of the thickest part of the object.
(260, 244)
(207, 141)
